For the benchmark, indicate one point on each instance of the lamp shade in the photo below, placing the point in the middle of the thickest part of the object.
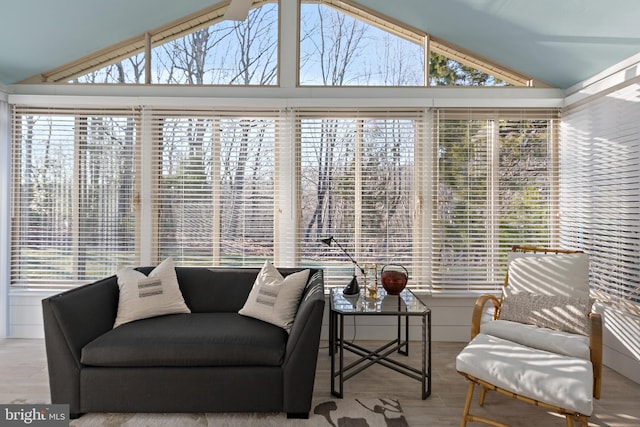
(327, 241)
(352, 287)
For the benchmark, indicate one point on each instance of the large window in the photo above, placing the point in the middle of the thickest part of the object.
(228, 52)
(442, 192)
(339, 50)
(446, 71)
(339, 44)
(214, 198)
(358, 184)
(128, 70)
(494, 188)
(73, 173)
(223, 53)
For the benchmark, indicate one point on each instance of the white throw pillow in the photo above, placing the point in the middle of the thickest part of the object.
(144, 296)
(547, 311)
(274, 298)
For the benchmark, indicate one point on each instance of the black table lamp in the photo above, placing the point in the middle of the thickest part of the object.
(352, 288)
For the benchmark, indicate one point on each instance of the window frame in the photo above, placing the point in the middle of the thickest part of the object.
(143, 43)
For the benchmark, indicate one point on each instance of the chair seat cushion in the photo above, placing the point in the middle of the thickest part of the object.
(563, 381)
(574, 345)
(195, 339)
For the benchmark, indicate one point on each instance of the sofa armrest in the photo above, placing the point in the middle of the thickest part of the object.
(478, 311)
(302, 347)
(83, 313)
(71, 320)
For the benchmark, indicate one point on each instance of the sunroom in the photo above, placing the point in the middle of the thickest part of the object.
(415, 133)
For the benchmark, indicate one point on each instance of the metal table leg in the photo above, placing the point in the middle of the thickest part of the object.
(338, 337)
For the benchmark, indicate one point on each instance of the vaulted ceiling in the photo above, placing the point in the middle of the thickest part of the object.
(558, 42)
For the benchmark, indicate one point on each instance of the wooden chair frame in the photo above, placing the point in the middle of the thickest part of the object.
(595, 345)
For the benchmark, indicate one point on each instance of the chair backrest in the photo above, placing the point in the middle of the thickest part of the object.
(548, 289)
(562, 274)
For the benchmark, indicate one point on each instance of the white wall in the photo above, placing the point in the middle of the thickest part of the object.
(25, 313)
(5, 172)
(621, 339)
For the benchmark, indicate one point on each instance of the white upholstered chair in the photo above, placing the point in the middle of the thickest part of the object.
(543, 345)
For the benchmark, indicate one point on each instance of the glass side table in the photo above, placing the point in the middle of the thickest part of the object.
(402, 307)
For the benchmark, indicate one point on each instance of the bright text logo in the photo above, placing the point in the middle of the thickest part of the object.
(34, 415)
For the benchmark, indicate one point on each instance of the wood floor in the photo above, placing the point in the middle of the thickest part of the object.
(23, 379)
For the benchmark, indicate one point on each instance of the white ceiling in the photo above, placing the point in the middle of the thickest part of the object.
(560, 42)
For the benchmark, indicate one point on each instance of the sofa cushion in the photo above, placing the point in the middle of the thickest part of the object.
(551, 378)
(574, 345)
(215, 289)
(143, 296)
(196, 339)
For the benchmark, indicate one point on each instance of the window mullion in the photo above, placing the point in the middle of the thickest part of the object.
(493, 226)
(287, 176)
(357, 217)
(217, 210)
(79, 150)
(427, 55)
(150, 172)
(425, 172)
(288, 41)
(554, 178)
(147, 58)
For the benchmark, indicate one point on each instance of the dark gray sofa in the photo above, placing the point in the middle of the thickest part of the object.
(211, 360)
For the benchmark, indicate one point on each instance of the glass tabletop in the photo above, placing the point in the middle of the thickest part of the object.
(406, 303)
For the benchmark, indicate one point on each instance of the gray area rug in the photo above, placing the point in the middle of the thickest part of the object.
(327, 413)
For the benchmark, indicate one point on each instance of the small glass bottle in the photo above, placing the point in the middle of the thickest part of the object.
(371, 280)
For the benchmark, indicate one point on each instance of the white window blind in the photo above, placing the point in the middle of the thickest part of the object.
(214, 195)
(600, 193)
(73, 175)
(494, 187)
(444, 193)
(358, 184)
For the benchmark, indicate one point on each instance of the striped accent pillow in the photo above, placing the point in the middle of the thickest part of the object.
(149, 287)
(274, 298)
(148, 296)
